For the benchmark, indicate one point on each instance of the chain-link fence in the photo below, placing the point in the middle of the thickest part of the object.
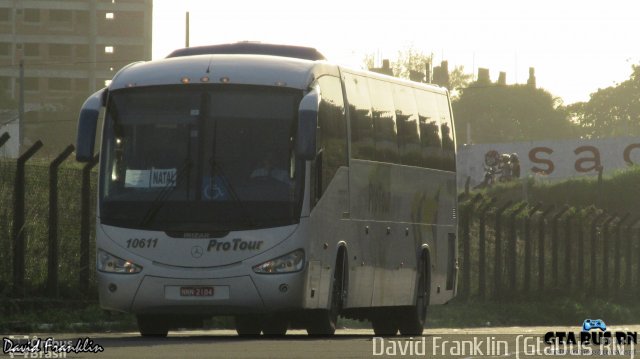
(511, 250)
(41, 212)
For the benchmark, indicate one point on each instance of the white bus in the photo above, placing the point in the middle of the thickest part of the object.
(264, 183)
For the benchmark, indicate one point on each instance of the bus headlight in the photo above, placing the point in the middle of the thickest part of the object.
(291, 262)
(111, 264)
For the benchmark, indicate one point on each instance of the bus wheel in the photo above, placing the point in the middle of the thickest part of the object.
(152, 326)
(247, 325)
(412, 318)
(384, 324)
(323, 322)
(273, 326)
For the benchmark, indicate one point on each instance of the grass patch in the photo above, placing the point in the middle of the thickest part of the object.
(537, 312)
(619, 192)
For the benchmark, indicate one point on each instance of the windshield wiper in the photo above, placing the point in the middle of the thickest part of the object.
(160, 199)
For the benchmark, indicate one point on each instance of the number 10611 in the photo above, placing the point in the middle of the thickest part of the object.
(142, 242)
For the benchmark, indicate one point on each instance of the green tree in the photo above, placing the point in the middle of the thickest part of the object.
(409, 60)
(412, 59)
(458, 80)
(611, 112)
(508, 114)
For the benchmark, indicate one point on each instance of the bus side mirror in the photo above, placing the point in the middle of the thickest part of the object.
(87, 124)
(307, 126)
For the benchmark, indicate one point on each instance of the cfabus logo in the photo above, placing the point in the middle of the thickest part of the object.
(592, 332)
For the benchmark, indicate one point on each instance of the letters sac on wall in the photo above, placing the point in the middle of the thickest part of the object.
(553, 160)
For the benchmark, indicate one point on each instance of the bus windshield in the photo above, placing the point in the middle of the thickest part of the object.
(201, 158)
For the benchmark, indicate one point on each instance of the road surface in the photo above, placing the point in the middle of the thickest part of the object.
(347, 343)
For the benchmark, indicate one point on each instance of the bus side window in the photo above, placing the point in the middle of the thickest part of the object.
(446, 127)
(407, 122)
(384, 121)
(429, 129)
(362, 145)
(333, 129)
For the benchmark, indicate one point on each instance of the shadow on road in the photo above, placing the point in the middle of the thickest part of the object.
(129, 341)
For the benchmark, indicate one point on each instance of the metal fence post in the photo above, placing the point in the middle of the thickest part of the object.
(581, 246)
(482, 248)
(52, 263)
(19, 245)
(528, 247)
(85, 226)
(567, 250)
(466, 246)
(638, 262)
(617, 257)
(541, 247)
(605, 252)
(594, 245)
(513, 246)
(497, 269)
(555, 245)
(628, 255)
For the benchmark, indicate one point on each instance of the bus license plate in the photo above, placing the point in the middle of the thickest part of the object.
(196, 291)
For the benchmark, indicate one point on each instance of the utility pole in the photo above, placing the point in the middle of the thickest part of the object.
(21, 107)
(186, 39)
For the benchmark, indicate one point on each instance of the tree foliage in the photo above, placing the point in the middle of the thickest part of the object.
(611, 112)
(508, 114)
(411, 59)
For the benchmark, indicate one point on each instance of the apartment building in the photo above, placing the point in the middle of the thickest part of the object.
(69, 47)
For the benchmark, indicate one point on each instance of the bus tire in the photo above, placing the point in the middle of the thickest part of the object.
(152, 326)
(323, 322)
(274, 326)
(384, 323)
(412, 319)
(247, 325)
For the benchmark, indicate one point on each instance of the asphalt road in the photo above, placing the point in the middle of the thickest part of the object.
(347, 343)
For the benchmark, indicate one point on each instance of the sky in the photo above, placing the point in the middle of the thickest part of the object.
(576, 47)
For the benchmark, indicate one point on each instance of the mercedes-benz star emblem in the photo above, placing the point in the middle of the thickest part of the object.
(196, 251)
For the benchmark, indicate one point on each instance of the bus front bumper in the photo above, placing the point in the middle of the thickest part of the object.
(246, 294)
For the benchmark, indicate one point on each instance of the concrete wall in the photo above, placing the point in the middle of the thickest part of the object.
(553, 160)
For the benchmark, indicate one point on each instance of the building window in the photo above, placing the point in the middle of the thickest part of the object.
(62, 16)
(59, 50)
(5, 49)
(108, 49)
(109, 16)
(31, 84)
(82, 51)
(5, 83)
(82, 85)
(59, 84)
(107, 83)
(32, 50)
(5, 14)
(82, 17)
(31, 15)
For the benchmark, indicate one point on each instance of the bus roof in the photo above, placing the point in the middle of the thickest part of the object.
(244, 69)
(233, 69)
(252, 48)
